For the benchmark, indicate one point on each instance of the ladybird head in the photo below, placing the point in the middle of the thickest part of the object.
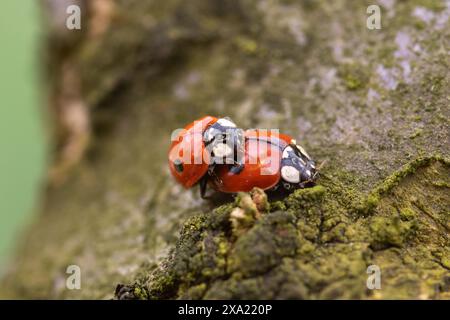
(223, 140)
(297, 168)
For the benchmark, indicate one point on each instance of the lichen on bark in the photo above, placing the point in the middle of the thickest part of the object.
(372, 104)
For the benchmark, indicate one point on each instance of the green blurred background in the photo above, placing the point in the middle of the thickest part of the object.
(22, 142)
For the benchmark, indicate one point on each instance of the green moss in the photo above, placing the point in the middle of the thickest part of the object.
(305, 196)
(207, 251)
(164, 285)
(247, 45)
(278, 205)
(132, 292)
(306, 230)
(306, 248)
(441, 184)
(272, 238)
(371, 202)
(354, 76)
(141, 293)
(196, 292)
(407, 214)
(394, 179)
(446, 262)
(418, 132)
(385, 54)
(419, 24)
(390, 231)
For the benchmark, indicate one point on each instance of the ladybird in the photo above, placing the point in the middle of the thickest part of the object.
(271, 160)
(214, 151)
(201, 144)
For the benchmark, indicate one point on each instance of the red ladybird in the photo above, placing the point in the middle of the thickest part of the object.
(199, 145)
(271, 160)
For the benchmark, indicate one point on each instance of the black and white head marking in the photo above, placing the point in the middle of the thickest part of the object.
(224, 141)
(218, 130)
(296, 165)
(226, 122)
(290, 174)
(290, 153)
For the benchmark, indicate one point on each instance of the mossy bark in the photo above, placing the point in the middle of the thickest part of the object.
(373, 103)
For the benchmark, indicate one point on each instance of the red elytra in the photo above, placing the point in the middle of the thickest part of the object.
(263, 151)
(269, 135)
(190, 140)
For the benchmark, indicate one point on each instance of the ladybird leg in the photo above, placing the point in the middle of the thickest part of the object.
(124, 292)
(203, 186)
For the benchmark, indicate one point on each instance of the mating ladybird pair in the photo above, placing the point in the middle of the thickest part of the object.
(214, 151)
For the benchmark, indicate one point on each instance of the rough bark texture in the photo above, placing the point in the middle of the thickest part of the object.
(373, 104)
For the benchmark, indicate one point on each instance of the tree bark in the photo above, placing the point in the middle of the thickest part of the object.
(373, 105)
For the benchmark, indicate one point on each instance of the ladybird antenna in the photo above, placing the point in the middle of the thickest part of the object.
(321, 165)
